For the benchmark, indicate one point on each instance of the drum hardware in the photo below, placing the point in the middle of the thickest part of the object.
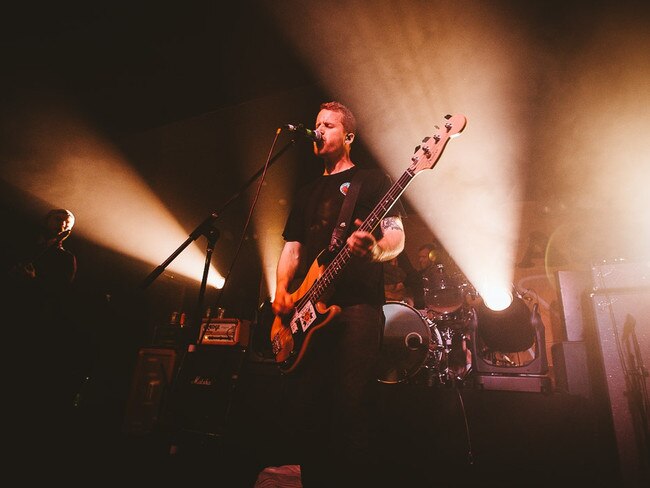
(431, 373)
(413, 341)
(454, 361)
(420, 350)
(442, 292)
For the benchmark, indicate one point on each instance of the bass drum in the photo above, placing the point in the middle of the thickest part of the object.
(405, 345)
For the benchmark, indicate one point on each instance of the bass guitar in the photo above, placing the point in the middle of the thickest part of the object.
(291, 334)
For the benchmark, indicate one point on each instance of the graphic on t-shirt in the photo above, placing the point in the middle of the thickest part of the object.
(344, 188)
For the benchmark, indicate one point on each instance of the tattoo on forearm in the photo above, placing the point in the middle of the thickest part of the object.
(393, 223)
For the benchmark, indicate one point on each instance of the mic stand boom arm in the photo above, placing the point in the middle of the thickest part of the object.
(206, 226)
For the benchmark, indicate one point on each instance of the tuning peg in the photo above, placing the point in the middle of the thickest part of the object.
(426, 139)
(448, 116)
(417, 148)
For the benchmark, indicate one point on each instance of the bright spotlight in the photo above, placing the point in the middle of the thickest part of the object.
(497, 300)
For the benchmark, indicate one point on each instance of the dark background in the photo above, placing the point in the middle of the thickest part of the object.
(133, 70)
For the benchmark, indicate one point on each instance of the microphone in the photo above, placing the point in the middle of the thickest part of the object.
(314, 135)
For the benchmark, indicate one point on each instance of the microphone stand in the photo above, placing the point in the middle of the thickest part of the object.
(205, 226)
(212, 234)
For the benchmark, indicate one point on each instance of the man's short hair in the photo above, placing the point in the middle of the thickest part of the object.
(63, 214)
(349, 121)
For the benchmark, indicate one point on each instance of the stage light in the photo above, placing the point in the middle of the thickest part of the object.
(508, 346)
(507, 329)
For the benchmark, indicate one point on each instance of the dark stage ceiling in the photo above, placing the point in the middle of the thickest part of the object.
(132, 67)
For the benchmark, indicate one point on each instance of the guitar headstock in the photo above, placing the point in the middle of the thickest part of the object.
(427, 154)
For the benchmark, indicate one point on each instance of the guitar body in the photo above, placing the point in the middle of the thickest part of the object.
(291, 334)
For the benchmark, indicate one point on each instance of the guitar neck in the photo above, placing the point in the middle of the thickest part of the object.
(382, 208)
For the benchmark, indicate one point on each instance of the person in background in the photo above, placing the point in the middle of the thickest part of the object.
(427, 256)
(49, 351)
(42, 259)
(395, 283)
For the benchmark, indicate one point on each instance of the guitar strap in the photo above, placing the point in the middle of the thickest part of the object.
(345, 215)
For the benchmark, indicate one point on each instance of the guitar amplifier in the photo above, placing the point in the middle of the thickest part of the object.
(224, 332)
(620, 275)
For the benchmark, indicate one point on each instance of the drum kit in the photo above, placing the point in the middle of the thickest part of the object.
(429, 346)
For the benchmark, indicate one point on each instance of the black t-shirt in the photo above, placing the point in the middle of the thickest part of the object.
(311, 222)
(56, 266)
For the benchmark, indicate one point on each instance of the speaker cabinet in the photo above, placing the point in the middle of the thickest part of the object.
(261, 348)
(573, 287)
(570, 367)
(152, 379)
(622, 326)
(204, 389)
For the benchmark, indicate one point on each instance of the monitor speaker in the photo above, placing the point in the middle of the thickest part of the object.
(150, 387)
(573, 288)
(570, 368)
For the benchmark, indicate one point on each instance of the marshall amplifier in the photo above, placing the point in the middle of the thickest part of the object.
(224, 332)
(206, 388)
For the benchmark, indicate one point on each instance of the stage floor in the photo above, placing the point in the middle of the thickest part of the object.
(424, 436)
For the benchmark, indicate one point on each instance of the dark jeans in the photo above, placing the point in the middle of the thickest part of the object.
(331, 398)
